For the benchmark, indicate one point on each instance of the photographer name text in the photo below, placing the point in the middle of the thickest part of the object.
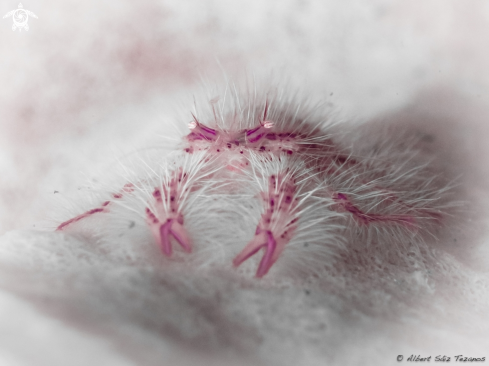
(440, 358)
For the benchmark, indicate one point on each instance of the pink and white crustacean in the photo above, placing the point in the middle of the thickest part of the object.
(316, 189)
(293, 210)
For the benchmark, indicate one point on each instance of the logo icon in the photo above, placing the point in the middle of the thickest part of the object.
(20, 17)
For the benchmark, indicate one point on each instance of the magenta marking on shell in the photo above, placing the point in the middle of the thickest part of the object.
(208, 130)
(256, 134)
(365, 218)
(250, 132)
(201, 132)
(129, 187)
(257, 137)
(151, 217)
(82, 216)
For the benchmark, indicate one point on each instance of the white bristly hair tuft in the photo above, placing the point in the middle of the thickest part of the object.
(347, 191)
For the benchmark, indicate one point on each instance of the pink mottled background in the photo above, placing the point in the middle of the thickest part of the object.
(93, 78)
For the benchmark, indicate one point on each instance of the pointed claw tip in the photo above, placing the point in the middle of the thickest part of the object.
(166, 253)
(262, 240)
(237, 262)
(263, 268)
(260, 274)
